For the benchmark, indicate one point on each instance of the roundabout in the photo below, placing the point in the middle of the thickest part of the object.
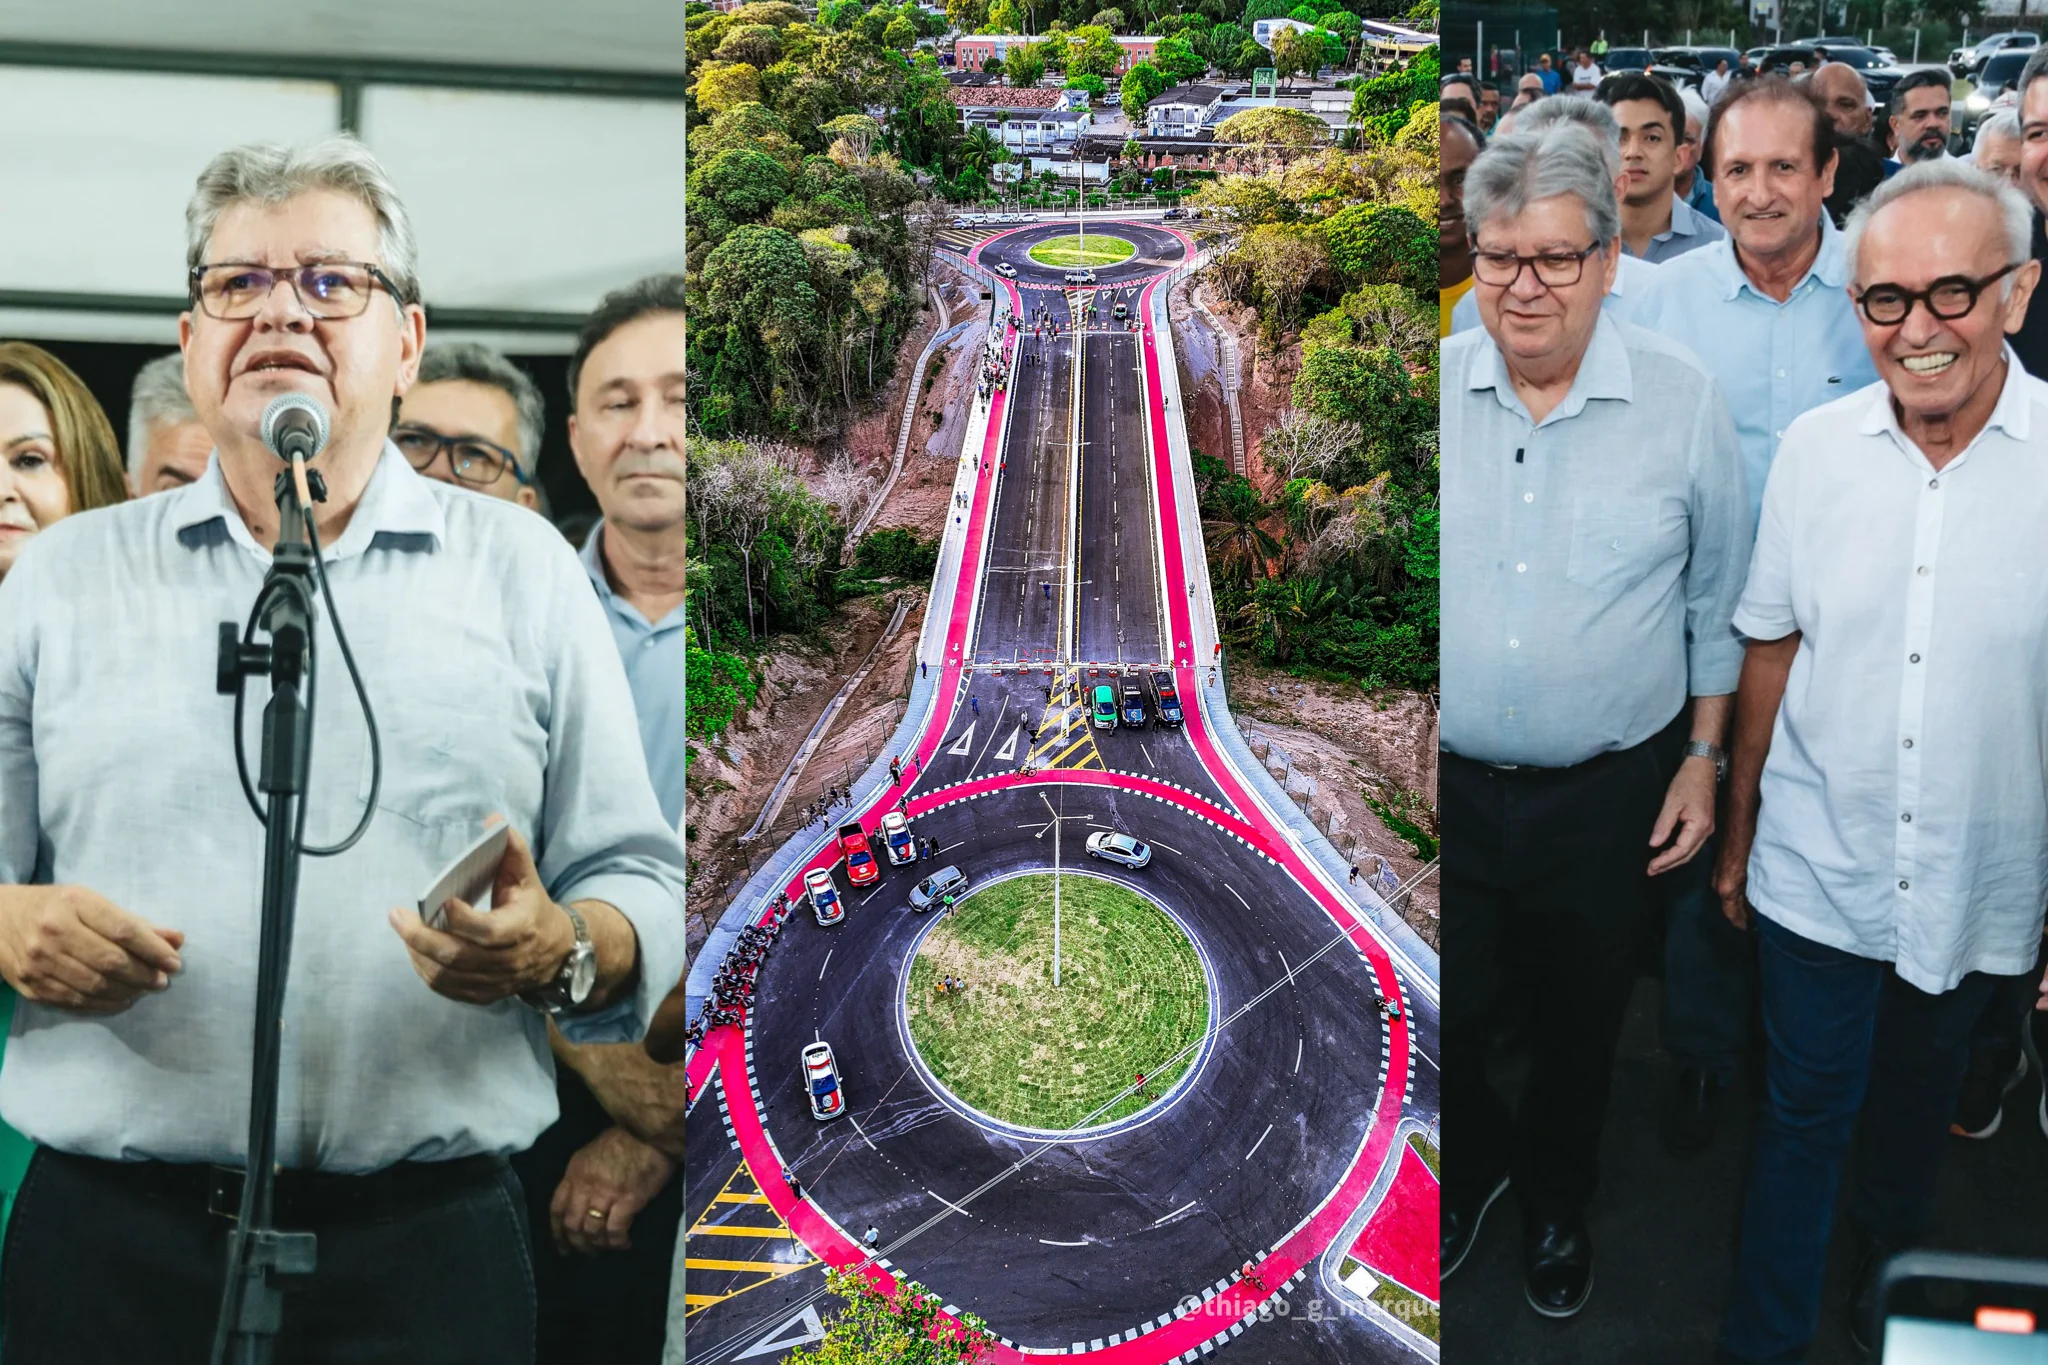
(1284, 1056)
(1113, 1040)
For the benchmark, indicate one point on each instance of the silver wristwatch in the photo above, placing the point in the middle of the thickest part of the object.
(573, 983)
(1699, 748)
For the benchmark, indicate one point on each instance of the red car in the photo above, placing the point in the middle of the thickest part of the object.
(861, 867)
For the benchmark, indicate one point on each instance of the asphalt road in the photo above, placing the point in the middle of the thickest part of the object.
(1093, 1237)
(1029, 532)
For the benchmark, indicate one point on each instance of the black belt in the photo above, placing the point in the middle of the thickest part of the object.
(303, 1197)
(1671, 734)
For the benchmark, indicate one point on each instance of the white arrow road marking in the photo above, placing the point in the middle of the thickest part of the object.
(960, 746)
(782, 1336)
(1009, 749)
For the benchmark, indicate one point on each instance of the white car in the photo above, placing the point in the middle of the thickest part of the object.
(1119, 848)
(897, 838)
(821, 1082)
(1007, 271)
(824, 894)
(1080, 277)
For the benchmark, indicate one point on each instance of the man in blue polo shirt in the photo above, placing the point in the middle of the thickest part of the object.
(1767, 311)
(602, 1285)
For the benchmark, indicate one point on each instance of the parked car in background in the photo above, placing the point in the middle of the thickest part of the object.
(1684, 66)
(1134, 698)
(1996, 87)
(1967, 61)
(1102, 711)
(1626, 59)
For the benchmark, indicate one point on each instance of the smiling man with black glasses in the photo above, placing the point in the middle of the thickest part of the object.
(1887, 803)
(1594, 532)
(474, 420)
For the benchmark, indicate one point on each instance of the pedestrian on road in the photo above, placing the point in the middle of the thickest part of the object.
(1354, 874)
(923, 669)
(975, 702)
(872, 1238)
(1048, 589)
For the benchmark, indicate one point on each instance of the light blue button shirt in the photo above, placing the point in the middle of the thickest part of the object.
(1630, 278)
(1690, 230)
(1591, 561)
(1773, 360)
(653, 655)
(496, 688)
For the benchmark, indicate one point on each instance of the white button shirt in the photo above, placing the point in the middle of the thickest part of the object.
(1905, 798)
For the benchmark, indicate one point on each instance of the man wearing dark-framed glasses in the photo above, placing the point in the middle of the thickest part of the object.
(474, 420)
(1595, 527)
(1885, 809)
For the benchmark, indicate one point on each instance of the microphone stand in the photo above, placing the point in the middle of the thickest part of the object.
(259, 1254)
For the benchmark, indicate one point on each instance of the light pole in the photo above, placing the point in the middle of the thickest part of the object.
(1057, 817)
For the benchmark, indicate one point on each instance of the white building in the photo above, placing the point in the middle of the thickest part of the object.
(1182, 111)
(1264, 30)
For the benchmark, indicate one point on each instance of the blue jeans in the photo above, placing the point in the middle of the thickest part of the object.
(1844, 1037)
(1708, 968)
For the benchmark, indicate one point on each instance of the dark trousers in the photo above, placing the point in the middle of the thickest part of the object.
(1543, 881)
(1709, 970)
(106, 1265)
(611, 1307)
(1843, 1037)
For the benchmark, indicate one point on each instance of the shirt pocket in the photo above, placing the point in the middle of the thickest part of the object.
(1618, 541)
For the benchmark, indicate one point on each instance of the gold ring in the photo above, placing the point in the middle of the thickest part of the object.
(596, 1213)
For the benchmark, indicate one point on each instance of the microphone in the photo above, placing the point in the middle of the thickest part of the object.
(294, 426)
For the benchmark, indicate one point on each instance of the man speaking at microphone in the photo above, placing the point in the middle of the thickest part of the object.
(414, 1059)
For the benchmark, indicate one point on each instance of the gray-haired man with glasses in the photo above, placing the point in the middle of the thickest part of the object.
(473, 419)
(1888, 803)
(414, 1058)
(1595, 529)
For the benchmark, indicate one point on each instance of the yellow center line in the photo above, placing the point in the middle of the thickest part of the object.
(1082, 743)
(737, 1230)
(724, 1197)
(755, 1267)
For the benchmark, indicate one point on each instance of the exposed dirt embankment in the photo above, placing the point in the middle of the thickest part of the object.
(1354, 750)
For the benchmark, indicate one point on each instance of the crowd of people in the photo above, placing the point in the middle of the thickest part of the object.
(511, 673)
(1745, 464)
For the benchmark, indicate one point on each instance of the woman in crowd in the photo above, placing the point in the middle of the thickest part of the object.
(57, 449)
(57, 456)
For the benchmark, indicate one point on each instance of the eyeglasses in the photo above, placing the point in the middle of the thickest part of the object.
(330, 290)
(471, 460)
(1948, 298)
(1554, 269)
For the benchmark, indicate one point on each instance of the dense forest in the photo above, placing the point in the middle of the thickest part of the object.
(822, 157)
(1336, 573)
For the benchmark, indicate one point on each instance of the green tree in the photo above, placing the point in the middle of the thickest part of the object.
(747, 185)
(727, 85)
(1303, 13)
(1093, 51)
(1179, 60)
(1381, 244)
(979, 150)
(1094, 85)
(1111, 19)
(1274, 127)
(1004, 17)
(901, 34)
(1236, 533)
(1142, 84)
(1024, 67)
(1265, 9)
(903, 1327)
(1223, 41)
(755, 44)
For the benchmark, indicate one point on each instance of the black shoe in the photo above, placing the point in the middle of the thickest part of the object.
(1871, 1253)
(1460, 1229)
(1691, 1112)
(1980, 1105)
(1558, 1259)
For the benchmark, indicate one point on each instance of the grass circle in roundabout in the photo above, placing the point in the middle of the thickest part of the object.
(1132, 993)
(1066, 252)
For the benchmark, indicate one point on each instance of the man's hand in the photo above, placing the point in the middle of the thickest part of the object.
(643, 1096)
(1689, 811)
(608, 1182)
(1731, 881)
(482, 957)
(71, 947)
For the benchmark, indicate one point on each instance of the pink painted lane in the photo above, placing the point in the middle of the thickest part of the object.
(1399, 1242)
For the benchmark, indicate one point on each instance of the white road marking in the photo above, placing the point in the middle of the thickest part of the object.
(950, 847)
(1169, 848)
(1299, 1045)
(1247, 1156)
(947, 1202)
(1431, 1060)
(1049, 1242)
(826, 963)
(872, 894)
(1177, 1212)
(871, 1142)
(1240, 899)
(1148, 755)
